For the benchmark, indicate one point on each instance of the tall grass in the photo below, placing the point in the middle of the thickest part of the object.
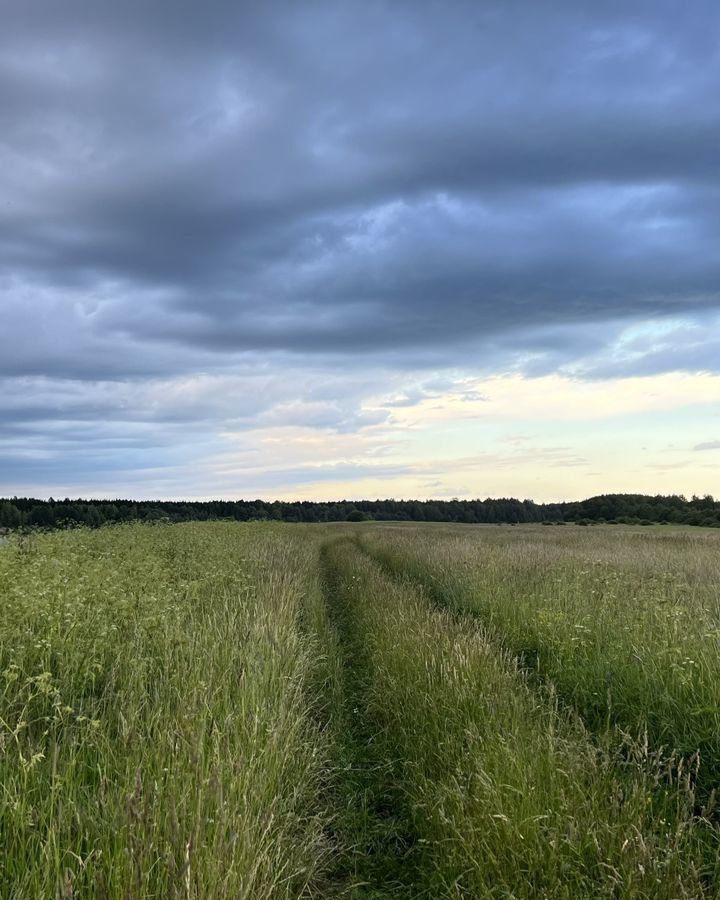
(261, 711)
(626, 626)
(156, 736)
(502, 794)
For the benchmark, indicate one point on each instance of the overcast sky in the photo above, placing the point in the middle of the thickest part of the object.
(359, 249)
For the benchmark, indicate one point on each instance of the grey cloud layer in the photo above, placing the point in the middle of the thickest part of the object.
(227, 217)
(186, 183)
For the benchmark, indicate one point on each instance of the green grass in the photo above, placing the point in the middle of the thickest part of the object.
(265, 711)
(497, 792)
(625, 625)
(154, 706)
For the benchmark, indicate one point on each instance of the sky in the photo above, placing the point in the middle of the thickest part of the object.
(315, 250)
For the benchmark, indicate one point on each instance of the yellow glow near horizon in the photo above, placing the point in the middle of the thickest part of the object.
(548, 438)
(558, 397)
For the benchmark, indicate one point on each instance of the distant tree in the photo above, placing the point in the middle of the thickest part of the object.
(356, 515)
(42, 515)
(10, 515)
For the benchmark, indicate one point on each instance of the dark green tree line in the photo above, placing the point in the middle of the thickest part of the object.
(639, 509)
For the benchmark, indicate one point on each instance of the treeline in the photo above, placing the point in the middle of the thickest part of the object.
(630, 509)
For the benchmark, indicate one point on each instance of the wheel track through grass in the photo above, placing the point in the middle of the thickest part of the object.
(376, 844)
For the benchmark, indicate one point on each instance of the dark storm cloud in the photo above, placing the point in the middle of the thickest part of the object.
(183, 183)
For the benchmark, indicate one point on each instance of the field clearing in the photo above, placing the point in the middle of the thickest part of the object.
(265, 711)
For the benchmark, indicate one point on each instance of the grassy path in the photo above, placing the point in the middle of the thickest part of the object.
(375, 841)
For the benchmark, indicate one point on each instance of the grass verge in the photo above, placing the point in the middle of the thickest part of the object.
(155, 735)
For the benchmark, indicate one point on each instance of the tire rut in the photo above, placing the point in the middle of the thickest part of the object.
(378, 861)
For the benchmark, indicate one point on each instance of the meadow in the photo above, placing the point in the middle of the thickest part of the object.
(264, 710)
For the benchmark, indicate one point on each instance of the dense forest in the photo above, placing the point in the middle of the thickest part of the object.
(631, 509)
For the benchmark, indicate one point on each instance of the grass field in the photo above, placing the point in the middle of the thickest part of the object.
(369, 711)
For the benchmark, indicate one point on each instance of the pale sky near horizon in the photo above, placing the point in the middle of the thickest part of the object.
(336, 249)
